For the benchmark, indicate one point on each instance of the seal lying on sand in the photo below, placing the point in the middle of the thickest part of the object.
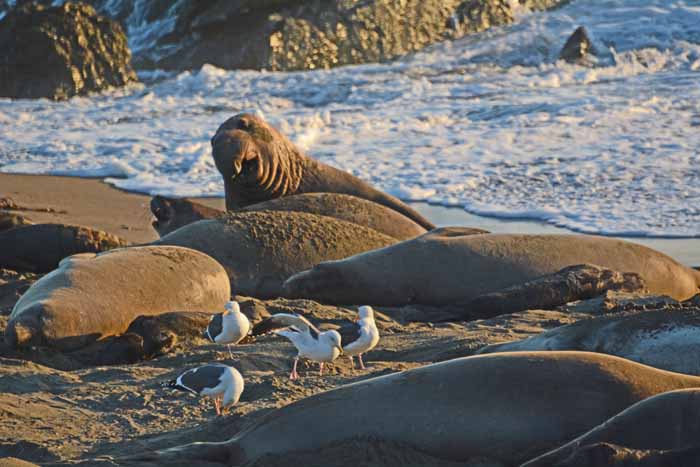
(666, 422)
(172, 213)
(447, 266)
(260, 249)
(40, 247)
(503, 407)
(258, 163)
(92, 296)
(668, 339)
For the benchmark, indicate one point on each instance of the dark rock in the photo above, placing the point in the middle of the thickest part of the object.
(299, 35)
(578, 47)
(59, 52)
(40, 247)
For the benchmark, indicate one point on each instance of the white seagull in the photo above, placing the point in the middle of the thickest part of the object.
(229, 327)
(310, 342)
(222, 383)
(360, 337)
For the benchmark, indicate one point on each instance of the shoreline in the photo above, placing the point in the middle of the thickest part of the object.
(94, 203)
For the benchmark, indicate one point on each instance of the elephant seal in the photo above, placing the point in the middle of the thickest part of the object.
(259, 163)
(91, 296)
(448, 266)
(39, 248)
(260, 249)
(667, 339)
(507, 408)
(665, 422)
(348, 208)
(171, 214)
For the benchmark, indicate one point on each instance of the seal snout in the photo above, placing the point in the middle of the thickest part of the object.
(162, 209)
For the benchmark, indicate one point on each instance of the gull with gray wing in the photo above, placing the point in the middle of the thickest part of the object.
(222, 383)
(310, 342)
(360, 337)
(229, 327)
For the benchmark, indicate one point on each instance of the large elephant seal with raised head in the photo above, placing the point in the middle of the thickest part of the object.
(93, 296)
(259, 163)
(450, 266)
(261, 249)
(667, 423)
(507, 408)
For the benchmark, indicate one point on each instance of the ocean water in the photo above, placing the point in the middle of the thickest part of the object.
(490, 123)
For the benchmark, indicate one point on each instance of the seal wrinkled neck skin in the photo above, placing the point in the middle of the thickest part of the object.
(255, 160)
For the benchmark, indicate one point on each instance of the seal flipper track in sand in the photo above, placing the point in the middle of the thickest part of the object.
(258, 163)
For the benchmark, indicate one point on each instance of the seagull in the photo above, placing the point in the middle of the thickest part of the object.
(222, 383)
(310, 342)
(229, 327)
(360, 337)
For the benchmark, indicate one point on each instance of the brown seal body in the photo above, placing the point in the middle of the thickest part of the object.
(666, 422)
(40, 247)
(507, 408)
(93, 296)
(173, 213)
(667, 339)
(348, 208)
(261, 249)
(449, 265)
(258, 163)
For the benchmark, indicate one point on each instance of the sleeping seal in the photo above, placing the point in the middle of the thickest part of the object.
(91, 296)
(259, 163)
(450, 266)
(506, 408)
(668, 422)
(667, 339)
(260, 249)
(171, 213)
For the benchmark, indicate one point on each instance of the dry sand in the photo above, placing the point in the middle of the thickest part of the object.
(85, 201)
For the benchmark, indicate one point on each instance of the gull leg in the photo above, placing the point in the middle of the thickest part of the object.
(229, 351)
(352, 362)
(362, 364)
(294, 375)
(217, 405)
(320, 371)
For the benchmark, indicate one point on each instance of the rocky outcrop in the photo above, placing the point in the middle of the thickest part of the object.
(59, 52)
(298, 35)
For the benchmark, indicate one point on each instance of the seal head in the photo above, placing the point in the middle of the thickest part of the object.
(261, 161)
